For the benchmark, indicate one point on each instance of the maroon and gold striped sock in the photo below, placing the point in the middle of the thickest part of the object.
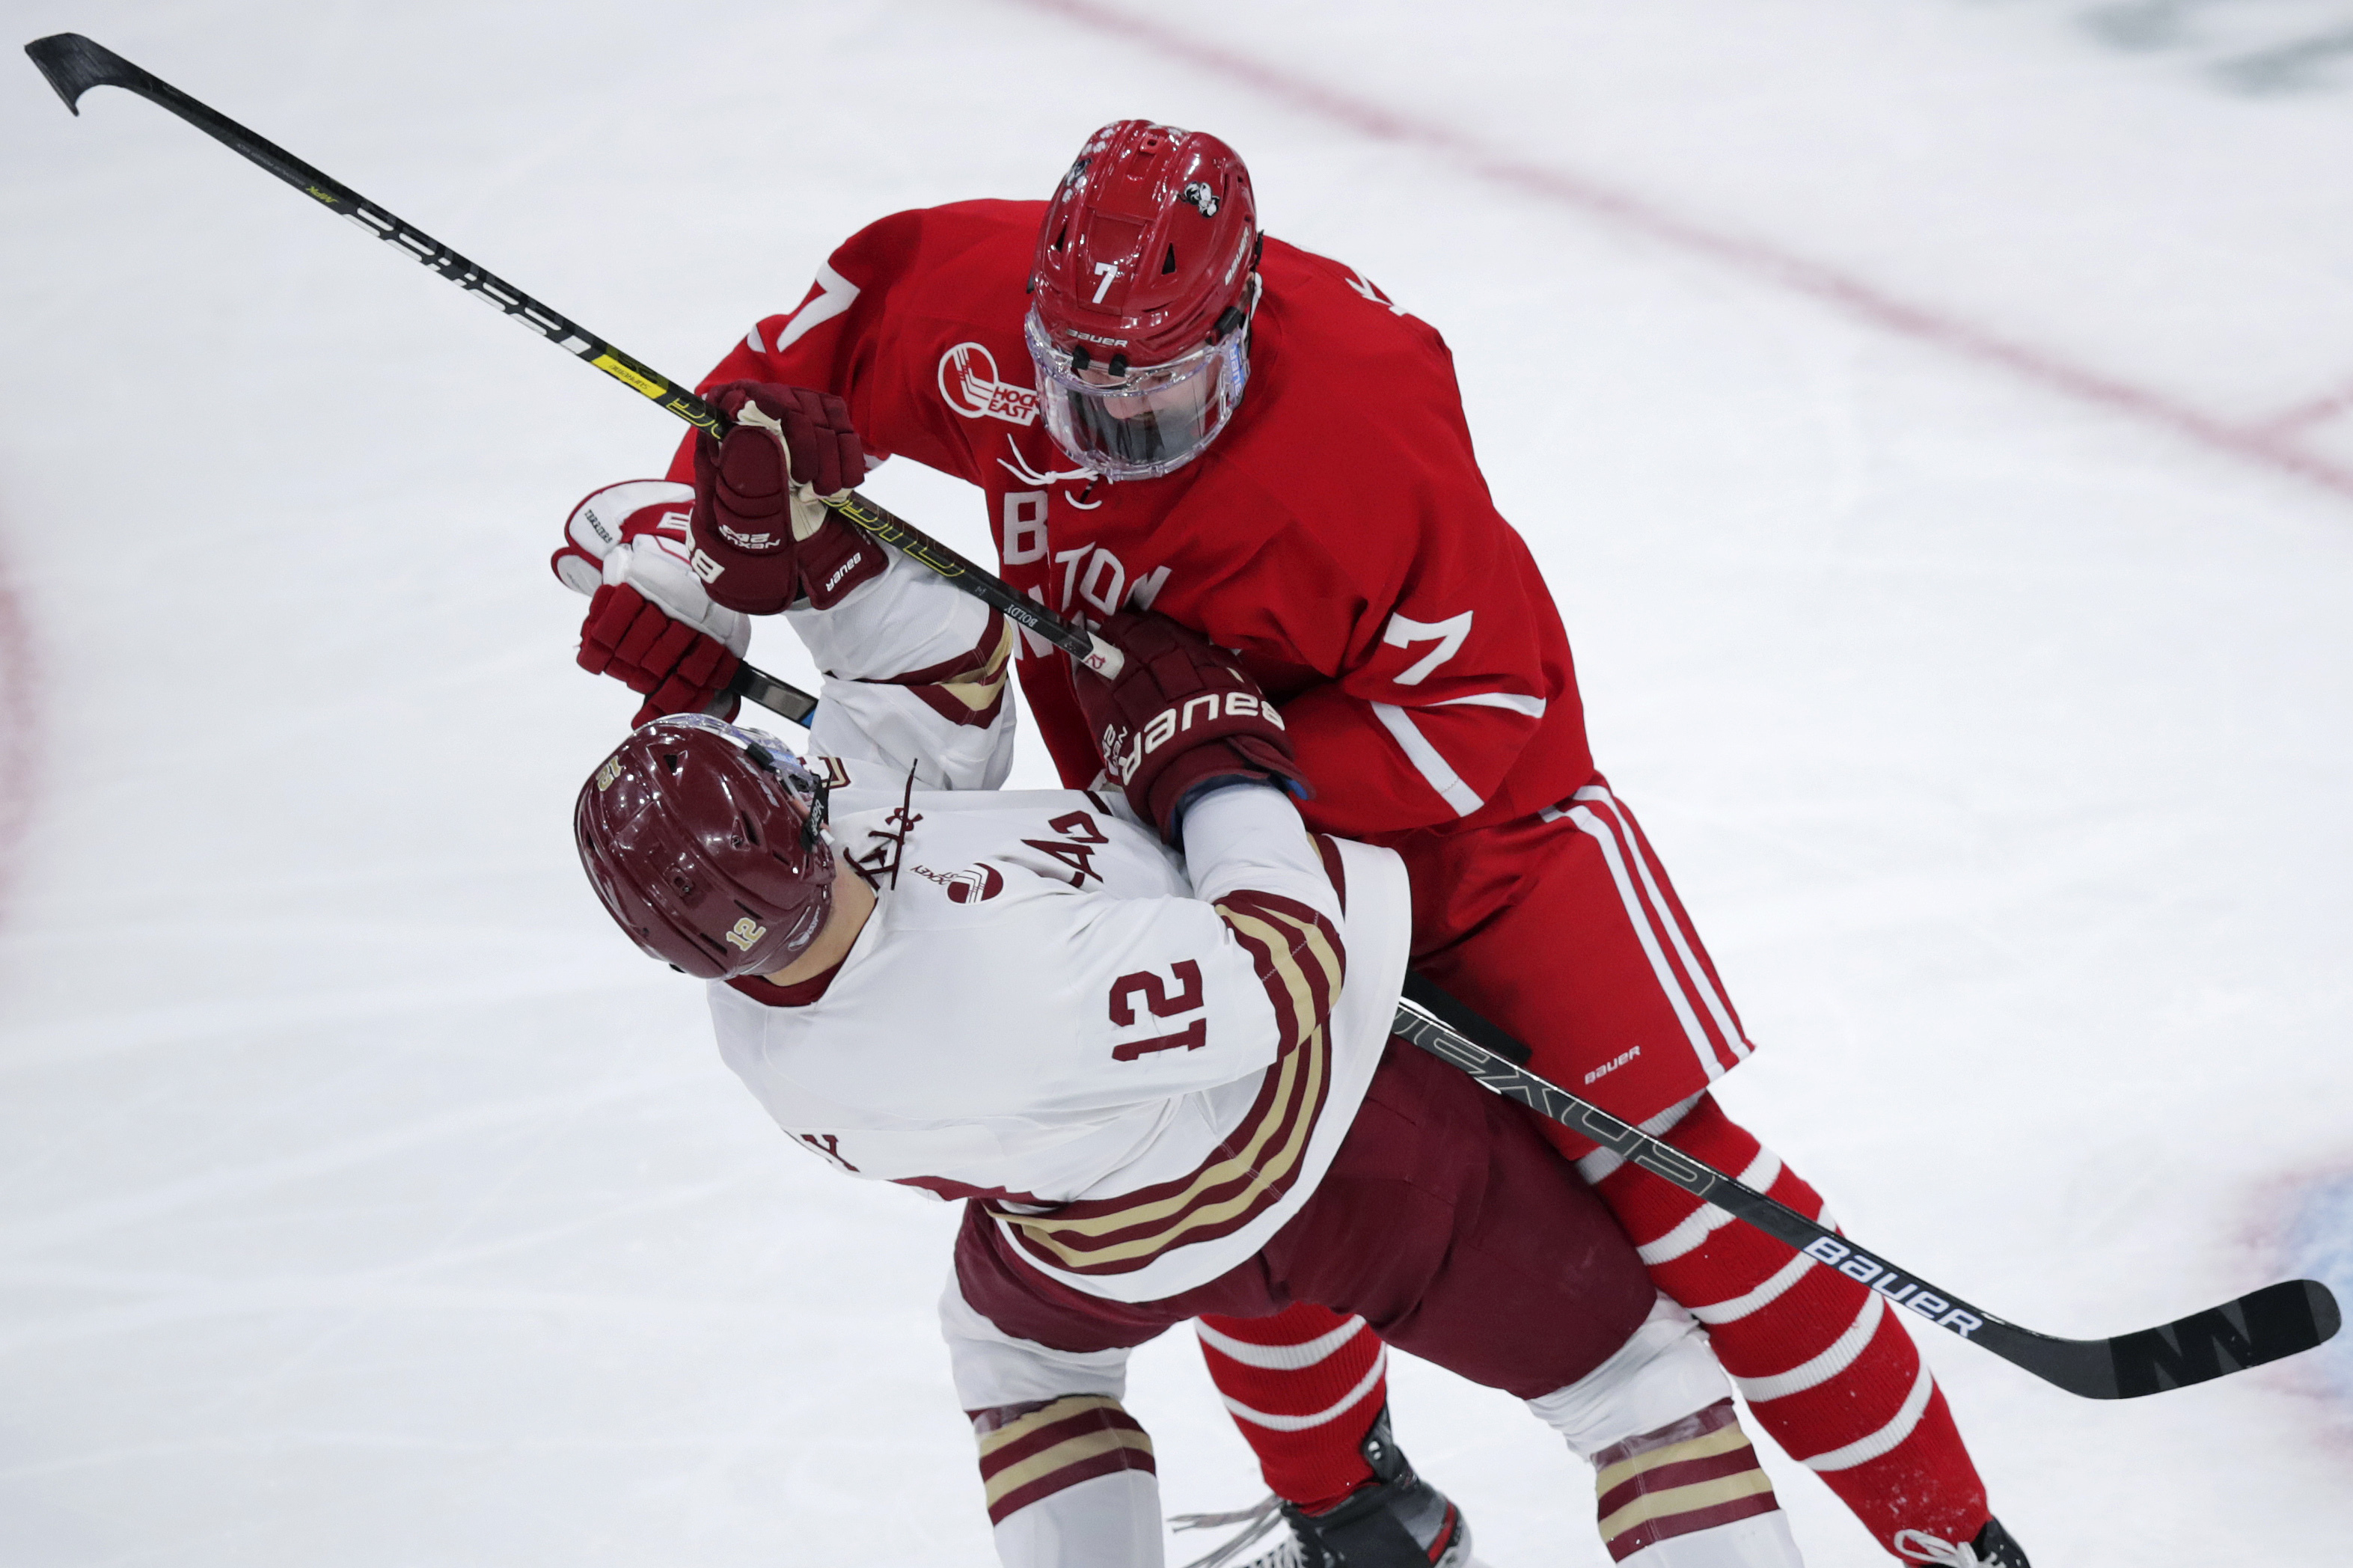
(1691, 1475)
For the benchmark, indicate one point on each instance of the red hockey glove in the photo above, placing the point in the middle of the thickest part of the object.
(649, 626)
(763, 539)
(1182, 714)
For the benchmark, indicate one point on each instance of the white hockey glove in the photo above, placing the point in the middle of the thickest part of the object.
(650, 625)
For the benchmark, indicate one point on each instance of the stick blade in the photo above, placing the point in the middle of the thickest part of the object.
(74, 65)
(2266, 1325)
(2274, 1322)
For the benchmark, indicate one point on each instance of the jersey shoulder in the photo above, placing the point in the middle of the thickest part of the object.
(1349, 460)
(1329, 311)
(968, 245)
(1329, 339)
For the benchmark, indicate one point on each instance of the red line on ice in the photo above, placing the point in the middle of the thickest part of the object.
(2304, 415)
(2264, 445)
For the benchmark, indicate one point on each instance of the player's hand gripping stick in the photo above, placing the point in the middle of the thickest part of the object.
(1182, 717)
(74, 64)
(763, 537)
(650, 625)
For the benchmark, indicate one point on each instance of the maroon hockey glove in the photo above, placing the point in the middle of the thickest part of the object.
(649, 626)
(1181, 715)
(677, 668)
(764, 540)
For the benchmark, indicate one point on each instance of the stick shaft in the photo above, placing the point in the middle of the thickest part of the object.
(778, 697)
(74, 64)
(2265, 1325)
(913, 542)
(1420, 1021)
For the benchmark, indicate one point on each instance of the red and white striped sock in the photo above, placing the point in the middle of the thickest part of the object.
(1304, 1386)
(1825, 1365)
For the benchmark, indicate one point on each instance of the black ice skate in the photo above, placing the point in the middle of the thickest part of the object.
(1993, 1548)
(1397, 1520)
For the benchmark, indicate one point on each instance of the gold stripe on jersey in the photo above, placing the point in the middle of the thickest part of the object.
(1301, 962)
(1298, 1093)
(981, 686)
(1653, 1506)
(1299, 957)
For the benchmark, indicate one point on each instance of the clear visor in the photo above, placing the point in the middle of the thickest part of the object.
(1146, 422)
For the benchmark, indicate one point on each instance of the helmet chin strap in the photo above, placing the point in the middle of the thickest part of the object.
(1020, 470)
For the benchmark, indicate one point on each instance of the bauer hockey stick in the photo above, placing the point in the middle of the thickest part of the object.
(2274, 1322)
(74, 64)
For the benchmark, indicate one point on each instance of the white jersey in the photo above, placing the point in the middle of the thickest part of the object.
(1141, 1065)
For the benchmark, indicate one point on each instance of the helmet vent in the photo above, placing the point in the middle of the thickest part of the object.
(682, 884)
(1059, 236)
(672, 762)
(1168, 262)
(746, 831)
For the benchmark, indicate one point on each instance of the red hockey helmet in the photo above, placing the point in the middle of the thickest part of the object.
(1143, 286)
(707, 844)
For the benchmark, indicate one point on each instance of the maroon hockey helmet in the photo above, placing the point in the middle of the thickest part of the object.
(1142, 290)
(707, 844)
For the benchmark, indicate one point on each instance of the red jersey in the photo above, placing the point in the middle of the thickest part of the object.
(1337, 534)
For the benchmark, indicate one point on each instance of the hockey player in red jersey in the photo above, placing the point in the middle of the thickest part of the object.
(1168, 410)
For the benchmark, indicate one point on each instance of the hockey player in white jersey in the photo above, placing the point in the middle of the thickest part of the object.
(1163, 1083)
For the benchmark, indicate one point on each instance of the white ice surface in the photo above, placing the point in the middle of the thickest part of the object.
(364, 1201)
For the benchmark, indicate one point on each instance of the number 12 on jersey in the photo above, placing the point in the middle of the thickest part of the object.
(1163, 1004)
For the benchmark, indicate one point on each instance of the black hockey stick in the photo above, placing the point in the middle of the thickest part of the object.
(2274, 1322)
(778, 697)
(74, 65)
